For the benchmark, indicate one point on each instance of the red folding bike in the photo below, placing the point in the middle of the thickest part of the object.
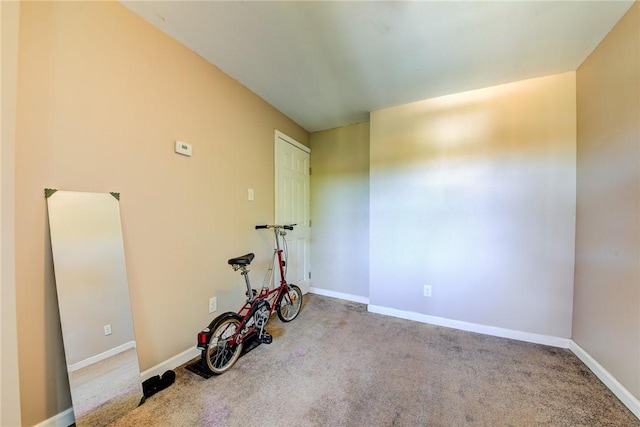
(223, 340)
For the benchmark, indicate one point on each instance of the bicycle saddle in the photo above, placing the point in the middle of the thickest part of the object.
(242, 260)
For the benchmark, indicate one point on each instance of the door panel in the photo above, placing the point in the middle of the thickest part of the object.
(292, 205)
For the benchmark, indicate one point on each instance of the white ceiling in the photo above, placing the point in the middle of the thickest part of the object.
(328, 64)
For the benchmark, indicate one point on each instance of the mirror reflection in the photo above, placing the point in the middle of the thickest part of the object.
(95, 311)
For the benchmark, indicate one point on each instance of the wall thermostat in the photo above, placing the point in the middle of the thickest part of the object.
(183, 148)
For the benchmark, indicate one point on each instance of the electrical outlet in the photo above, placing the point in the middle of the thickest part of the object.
(107, 329)
(213, 304)
(427, 290)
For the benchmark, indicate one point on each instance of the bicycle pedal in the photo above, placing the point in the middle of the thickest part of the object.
(265, 339)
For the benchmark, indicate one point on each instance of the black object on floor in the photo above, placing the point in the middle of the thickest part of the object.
(197, 368)
(266, 338)
(157, 383)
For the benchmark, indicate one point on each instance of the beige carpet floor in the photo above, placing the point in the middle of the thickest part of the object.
(338, 365)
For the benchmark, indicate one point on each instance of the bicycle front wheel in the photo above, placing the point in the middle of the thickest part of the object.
(289, 304)
(220, 354)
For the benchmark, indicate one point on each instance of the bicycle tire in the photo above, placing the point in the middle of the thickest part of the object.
(289, 304)
(219, 356)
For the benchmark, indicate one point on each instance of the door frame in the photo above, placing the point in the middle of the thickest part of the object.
(280, 138)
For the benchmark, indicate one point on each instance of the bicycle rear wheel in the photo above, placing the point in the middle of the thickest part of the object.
(289, 303)
(220, 355)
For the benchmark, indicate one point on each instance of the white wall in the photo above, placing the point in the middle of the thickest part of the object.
(474, 194)
(340, 210)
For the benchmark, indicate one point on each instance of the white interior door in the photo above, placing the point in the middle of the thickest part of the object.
(292, 205)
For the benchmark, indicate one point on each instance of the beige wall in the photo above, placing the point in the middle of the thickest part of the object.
(606, 320)
(102, 96)
(474, 194)
(340, 210)
(9, 380)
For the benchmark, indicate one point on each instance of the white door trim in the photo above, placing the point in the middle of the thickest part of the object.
(292, 142)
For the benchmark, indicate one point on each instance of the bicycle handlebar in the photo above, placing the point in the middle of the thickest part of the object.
(286, 227)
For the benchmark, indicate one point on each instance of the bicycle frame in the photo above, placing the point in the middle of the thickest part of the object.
(255, 300)
(271, 295)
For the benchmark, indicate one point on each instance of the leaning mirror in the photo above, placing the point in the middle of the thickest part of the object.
(93, 298)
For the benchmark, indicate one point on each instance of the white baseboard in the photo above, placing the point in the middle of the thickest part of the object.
(66, 418)
(171, 363)
(621, 392)
(63, 419)
(472, 327)
(339, 295)
(102, 356)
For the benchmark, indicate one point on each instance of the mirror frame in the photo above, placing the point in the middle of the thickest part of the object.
(94, 305)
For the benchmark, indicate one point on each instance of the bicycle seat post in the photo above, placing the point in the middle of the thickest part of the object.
(245, 272)
(242, 263)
